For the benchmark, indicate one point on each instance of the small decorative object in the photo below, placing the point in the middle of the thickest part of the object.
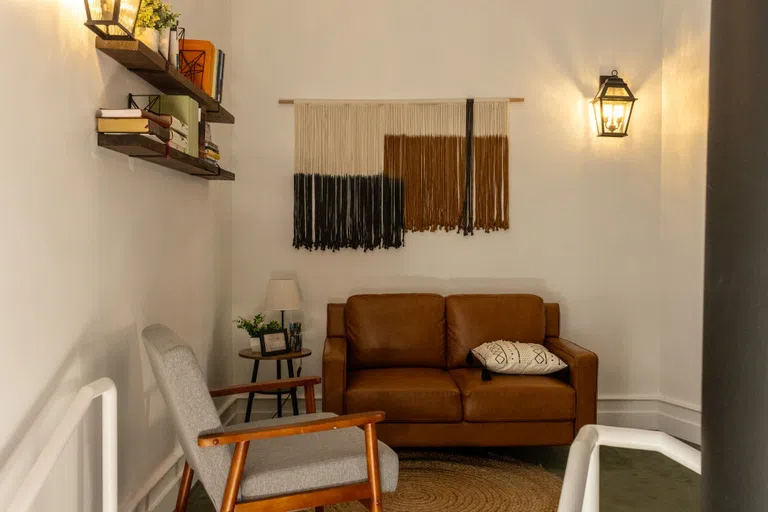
(173, 52)
(367, 172)
(515, 358)
(282, 296)
(274, 342)
(256, 327)
(294, 339)
(613, 106)
(112, 19)
(155, 21)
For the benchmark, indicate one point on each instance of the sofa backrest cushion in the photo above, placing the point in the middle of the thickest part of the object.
(395, 330)
(476, 319)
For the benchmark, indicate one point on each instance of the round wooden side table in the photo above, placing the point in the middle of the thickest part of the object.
(249, 353)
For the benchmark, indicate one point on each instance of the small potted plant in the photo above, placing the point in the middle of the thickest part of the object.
(154, 23)
(256, 327)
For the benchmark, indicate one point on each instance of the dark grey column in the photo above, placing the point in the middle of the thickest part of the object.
(735, 385)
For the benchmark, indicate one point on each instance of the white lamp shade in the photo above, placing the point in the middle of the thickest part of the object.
(282, 295)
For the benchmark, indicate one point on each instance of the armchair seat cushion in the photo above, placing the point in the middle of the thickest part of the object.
(300, 463)
(514, 397)
(412, 395)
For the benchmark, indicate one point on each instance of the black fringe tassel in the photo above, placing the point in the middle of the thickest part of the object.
(356, 212)
(467, 216)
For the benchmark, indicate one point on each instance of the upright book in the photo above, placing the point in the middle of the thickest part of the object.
(197, 51)
(186, 110)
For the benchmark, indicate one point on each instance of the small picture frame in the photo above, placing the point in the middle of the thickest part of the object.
(274, 343)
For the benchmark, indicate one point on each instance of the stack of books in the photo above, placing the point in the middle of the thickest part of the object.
(161, 127)
(208, 150)
(211, 80)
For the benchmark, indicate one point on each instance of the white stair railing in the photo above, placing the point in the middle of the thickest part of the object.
(35, 479)
(581, 485)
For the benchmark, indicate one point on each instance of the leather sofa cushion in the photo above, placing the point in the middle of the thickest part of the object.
(395, 330)
(514, 397)
(406, 394)
(475, 319)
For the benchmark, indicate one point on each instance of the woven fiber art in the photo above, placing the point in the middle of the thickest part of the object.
(365, 173)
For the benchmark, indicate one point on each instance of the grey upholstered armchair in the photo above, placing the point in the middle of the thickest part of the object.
(287, 463)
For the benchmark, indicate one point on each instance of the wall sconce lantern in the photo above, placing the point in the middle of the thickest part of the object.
(112, 19)
(613, 106)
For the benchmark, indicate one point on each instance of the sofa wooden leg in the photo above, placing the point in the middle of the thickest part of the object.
(184, 487)
(319, 509)
(372, 458)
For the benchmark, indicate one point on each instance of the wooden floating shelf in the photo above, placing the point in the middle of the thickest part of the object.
(138, 146)
(152, 67)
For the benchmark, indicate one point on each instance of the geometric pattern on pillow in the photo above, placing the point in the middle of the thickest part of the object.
(515, 358)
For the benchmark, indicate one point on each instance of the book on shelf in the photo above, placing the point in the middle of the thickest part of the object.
(115, 126)
(175, 144)
(211, 79)
(165, 120)
(210, 145)
(186, 110)
(215, 74)
(196, 50)
(210, 155)
(220, 89)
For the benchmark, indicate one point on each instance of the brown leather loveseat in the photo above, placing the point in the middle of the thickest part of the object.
(405, 354)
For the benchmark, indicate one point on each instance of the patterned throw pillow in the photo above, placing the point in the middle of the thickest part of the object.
(514, 358)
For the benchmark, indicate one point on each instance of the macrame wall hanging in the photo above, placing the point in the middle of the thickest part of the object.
(365, 173)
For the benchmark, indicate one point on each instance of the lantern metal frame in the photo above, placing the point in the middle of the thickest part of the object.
(608, 82)
(96, 25)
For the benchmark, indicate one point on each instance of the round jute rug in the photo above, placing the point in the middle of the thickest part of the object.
(447, 482)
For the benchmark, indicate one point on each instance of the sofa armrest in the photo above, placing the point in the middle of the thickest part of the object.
(582, 375)
(334, 374)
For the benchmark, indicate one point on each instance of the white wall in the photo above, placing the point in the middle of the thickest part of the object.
(95, 247)
(683, 181)
(585, 212)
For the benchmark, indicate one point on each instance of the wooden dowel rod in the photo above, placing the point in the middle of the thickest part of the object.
(291, 102)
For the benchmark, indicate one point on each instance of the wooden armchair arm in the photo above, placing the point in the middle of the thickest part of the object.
(293, 429)
(266, 386)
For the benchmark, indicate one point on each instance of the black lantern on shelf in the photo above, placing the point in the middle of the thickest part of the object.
(613, 106)
(112, 19)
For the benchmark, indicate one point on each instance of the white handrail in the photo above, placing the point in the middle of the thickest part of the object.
(581, 485)
(104, 388)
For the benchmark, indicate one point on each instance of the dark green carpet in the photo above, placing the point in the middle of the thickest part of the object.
(630, 480)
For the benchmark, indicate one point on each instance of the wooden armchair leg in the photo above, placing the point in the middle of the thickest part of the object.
(372, 458)
(309, 398)
(184, 487)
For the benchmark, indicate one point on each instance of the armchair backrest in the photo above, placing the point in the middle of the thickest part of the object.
(186, 394)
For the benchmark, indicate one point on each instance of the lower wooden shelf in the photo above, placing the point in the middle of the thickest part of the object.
(138, 146)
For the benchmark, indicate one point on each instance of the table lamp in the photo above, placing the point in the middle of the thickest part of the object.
(282, 296)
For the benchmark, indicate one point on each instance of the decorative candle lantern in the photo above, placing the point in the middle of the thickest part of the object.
(112, 19)
(613, 106)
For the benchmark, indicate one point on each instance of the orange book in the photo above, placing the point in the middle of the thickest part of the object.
(194, 54)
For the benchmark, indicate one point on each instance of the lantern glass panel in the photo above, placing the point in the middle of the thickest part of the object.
(615, 115)
(129, 13)
(102, 9)
(616, 91)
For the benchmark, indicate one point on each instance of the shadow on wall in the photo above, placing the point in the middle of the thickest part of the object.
(119, 355)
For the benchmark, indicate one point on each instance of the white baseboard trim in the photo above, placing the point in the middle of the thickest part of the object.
(676, 418)
(167, 475)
